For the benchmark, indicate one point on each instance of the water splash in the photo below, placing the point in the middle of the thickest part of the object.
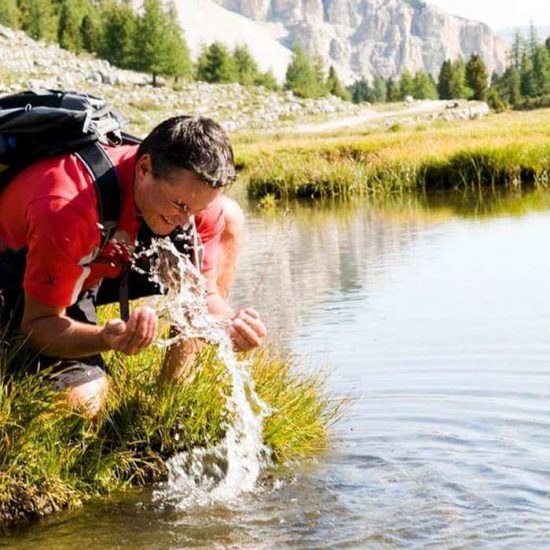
(220, 473)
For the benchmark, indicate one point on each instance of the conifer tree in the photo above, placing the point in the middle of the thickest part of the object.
(335, 87)
(359, 90)
(406, 85)
(216, 64)
(459, 89)
(267, 80)
(526, 79)
(89, 33)
(38, 19)
(10, 15)
(476, 77)
(379, 90)
(393, 90)
(423, 86)
(119, 31)
(153, 46)
(540, 79)
(445, 79)
(178, 63)
(246, 66)
(303, 77)
(68, 31)
(518, 48)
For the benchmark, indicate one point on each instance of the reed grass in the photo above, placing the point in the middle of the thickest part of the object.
(509, 149)
(53, 458)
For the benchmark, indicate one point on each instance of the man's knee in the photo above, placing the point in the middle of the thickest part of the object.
(89, 397)
(85, 386)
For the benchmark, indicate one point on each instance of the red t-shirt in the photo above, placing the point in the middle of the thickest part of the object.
(50, 208)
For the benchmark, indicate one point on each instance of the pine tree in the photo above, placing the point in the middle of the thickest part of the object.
(547, 43)
(533, 41)
(10, 15)
(119, 31)
(379, 90)
(423, 86)
(178, 63)
(89, 33)
(541, 71)
(359, 91)
(476, 77)
(303, 77)
(216, 64)
(518, 48)
(335, 87)
(445, 79)
(459, 89)
(152, 32)
(526, 78)
(68, 31)
(267, 80)
(406, 85)
(393, 90)
(38, 19)
(246, 66)
(508, 86)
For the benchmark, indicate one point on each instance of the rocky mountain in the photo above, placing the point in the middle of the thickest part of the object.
(361, 38)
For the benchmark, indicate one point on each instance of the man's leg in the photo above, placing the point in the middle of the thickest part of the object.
(84, 380)
(180, 358)
(85, 385)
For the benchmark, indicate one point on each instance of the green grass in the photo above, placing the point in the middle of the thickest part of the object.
(509, 149)
(52, 458)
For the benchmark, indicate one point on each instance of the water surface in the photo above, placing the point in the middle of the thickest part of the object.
(434, 316)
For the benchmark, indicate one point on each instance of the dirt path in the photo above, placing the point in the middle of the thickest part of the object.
(426, 107)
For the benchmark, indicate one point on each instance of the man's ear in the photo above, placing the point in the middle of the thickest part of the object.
(143, 165)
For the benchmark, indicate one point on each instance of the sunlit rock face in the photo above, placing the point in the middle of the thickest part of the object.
(369, 37)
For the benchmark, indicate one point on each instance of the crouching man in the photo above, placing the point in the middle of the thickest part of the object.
(56, 268)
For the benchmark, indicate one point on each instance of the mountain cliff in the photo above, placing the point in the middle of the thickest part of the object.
(362, 38)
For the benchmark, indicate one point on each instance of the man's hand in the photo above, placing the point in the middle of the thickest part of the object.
(134, 336)
(247, 330)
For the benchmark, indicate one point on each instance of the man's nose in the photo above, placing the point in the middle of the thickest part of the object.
(183, 219)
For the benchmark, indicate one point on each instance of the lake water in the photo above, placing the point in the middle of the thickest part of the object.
(433, 314)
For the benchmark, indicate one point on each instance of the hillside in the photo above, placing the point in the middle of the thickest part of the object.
(25, 63)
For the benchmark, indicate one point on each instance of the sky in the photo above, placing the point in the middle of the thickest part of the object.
(499, 14)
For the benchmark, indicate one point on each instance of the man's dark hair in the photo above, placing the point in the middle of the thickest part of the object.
(193, 143)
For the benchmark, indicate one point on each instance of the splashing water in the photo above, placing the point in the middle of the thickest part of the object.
(220, 473)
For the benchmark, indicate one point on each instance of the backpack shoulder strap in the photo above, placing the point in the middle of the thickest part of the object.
(107, 186)
(109, 206)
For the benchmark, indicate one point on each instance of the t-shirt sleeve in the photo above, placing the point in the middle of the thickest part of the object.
(210, 224)
(61, 241)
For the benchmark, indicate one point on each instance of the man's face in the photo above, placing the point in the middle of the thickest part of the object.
(167, 203)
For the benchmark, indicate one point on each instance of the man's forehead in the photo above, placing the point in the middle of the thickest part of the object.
(183, 176)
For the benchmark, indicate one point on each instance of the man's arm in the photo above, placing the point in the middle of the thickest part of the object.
(247, 331)
(52, 333)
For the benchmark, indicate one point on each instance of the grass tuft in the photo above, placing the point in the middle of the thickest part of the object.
(52, 458)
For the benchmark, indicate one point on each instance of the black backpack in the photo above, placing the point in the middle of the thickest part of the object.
(45, 123)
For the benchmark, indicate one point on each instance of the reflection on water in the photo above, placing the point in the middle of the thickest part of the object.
(434, 314)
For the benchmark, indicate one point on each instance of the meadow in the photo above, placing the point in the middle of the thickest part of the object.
(508, 149)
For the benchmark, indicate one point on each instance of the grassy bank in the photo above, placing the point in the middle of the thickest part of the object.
(509, 149)
(52, 458)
